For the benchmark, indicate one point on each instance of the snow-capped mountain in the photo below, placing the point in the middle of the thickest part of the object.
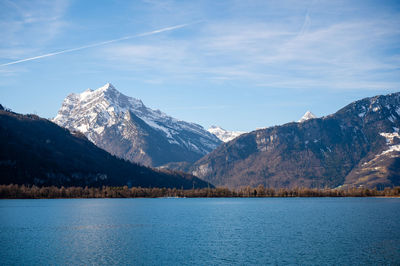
(223, 134)
(308, 115)
(125, 127)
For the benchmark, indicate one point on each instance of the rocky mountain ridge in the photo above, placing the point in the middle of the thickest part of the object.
(356, 146)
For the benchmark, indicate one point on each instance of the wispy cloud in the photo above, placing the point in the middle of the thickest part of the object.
(23, 21)
(351, 53)
(307, 45)
(26, 26)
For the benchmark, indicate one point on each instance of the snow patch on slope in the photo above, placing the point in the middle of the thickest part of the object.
(390, 141)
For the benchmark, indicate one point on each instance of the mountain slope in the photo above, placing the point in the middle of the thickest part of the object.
(222, 134)
(125, 127)
(36, 151)
(330, 151)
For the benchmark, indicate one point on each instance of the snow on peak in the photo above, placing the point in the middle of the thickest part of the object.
(223, 134)
(92, 111)
(107, 87)
(308, 115)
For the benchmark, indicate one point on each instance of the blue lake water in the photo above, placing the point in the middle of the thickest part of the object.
(200, 231)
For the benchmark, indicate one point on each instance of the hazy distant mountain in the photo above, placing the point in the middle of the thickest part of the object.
(358, 145)
(125, 127)
(308, 115)
(35, 151)
(224, 135)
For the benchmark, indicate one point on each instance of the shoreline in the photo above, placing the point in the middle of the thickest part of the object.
(275, 197)
(13, 191)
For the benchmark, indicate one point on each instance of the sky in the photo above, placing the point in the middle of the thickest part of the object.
(241, 65)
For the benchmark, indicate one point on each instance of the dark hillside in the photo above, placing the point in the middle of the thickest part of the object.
(36, 151)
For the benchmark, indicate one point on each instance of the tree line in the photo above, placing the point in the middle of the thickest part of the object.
(33, 192)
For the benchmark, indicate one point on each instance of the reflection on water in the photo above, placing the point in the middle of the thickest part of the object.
(200, 231)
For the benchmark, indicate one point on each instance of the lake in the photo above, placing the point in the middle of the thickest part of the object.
(228, 231)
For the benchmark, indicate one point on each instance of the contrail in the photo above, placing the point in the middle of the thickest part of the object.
(307, 19)
(98, 44)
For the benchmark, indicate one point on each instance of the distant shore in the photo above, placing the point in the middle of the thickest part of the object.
(13, 191)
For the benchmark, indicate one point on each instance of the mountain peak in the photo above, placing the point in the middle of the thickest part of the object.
(308, 115)
(223, 134)
(107, 86)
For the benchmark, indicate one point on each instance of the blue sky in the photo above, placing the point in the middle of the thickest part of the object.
(238, 64)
